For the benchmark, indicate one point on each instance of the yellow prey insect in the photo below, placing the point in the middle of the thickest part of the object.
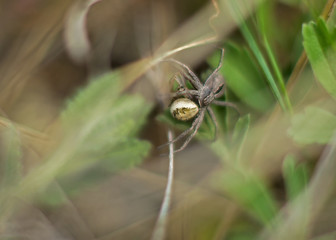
(183, 109)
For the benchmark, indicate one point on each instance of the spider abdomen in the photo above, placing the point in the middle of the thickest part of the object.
(183, 109)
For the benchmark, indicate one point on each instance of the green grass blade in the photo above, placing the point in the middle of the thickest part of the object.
(239, 136)
(258, 55)
(295, 176)
(243, 77)
(264, 18)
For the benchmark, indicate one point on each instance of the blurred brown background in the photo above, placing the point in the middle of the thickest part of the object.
(37, 76)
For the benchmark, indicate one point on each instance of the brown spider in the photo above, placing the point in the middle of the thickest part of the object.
(203, 94)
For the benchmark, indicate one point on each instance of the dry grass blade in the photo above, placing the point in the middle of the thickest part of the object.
(160, 227)
(28, 51)
(221, 23)
(75, 34)
(30, 138)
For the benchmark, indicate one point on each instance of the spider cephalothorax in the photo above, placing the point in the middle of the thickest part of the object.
(184, 107)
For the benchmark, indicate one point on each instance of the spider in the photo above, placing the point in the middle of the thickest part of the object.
(185, 108)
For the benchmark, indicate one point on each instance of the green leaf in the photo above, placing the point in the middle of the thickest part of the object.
(229, 150)
(241, 129)
(320, 45)
(93, 99)
(10, 157)
(315, 125)
(101, 125)
(295, 176)
(239, 135)
(243, 78)
(122, 156)
(53, 195)
(114, 120)
(250, 192)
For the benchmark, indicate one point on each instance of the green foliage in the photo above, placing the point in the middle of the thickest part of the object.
(52, 195)
(10, 157)
(229, 149)
(295, 176)
(242, 231)
(266, 27)
(252, 75)
(279, 92)
(97, 97)
(101, 125)
(241, 129)
(291, 2)
(10, 167)
(315, 125)
(315, 7)
(244, 187)
(243, 77)
(250, 192)
(240, 133)
(320, 45)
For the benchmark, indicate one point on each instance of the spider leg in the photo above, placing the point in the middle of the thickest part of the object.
(226, 104)
(218, 67)
(182, 135)
(220, 62)
(198, 121)
(183, 90)
(194, 80)
(221, 92)
(179, 79)
(214, 119)
(187, 92)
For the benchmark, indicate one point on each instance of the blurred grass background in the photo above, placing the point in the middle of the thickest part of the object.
(83, 104)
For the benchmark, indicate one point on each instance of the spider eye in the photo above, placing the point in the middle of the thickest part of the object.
(219, 89)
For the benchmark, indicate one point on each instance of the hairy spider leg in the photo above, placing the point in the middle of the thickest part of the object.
(179, 79)
(184, 92)
(189, 93)
(194, 80)
(226, 104)
(181, 82)
(221, 92)
(214, 119)
(197, 123)
(219, 65)
(220, 61)
(182, 135)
